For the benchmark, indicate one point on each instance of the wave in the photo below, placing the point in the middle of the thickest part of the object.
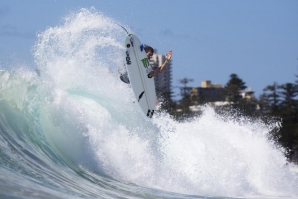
(73, 129)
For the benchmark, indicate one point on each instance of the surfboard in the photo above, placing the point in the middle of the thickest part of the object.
(138, 65)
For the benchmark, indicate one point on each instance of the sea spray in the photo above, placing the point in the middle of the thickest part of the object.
(88, 45)
(205, 156)
(228, 157)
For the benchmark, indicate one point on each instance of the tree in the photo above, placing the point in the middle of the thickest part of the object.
(289, 113)
(270, 110)
(270, 99)
(233, 88)
(241, 102)
(184, 91)
(185, 101)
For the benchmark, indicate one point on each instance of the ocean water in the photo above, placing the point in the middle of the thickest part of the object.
(72, 130)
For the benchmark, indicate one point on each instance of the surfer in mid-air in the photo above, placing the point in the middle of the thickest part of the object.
(149, 52)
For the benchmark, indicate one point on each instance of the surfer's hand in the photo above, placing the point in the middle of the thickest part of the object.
(169, 55)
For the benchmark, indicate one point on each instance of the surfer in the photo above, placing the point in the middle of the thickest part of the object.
(149, 52)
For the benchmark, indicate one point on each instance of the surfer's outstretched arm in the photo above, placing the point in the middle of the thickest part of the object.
(168, 58)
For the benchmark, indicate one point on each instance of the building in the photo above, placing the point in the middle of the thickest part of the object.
(214, 95)
(247, 94)
(163, 81)
(207, 93)
(207, 84)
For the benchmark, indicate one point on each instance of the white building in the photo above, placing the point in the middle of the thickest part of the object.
(247, 94)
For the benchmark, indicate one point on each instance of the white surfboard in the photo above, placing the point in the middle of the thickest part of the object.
(137, 65)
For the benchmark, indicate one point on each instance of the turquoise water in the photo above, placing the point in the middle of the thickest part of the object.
(74, 132)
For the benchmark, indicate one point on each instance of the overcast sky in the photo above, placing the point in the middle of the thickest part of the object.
(256, 39)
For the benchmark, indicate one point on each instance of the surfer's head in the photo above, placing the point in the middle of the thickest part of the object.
(149, 51)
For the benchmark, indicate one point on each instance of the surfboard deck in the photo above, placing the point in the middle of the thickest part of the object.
(137, 65)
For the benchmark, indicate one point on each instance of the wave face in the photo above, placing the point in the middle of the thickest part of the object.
(72, 130)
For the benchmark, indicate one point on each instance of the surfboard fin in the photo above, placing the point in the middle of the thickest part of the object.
(141, 95)
(150, 113)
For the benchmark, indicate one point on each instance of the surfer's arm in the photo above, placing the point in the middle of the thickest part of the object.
(168, 58)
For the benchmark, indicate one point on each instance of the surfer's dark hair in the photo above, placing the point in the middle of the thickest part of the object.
(148, 48)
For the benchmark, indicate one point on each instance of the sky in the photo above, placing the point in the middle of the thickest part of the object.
(210, 39)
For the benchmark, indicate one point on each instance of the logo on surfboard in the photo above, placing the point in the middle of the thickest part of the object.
(145, 62)
(128, 62)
